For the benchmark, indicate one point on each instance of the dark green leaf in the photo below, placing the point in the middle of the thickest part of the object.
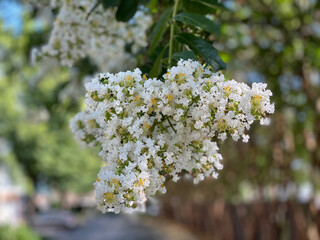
(184, 55)
(157, 66)
(213, 4)
(198, 20)
(202, 6)
(126, 10)
(110, 3)
(159, 29)
(202, 48)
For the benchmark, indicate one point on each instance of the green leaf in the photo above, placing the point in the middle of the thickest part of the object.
(198, 20)
(157, 66)
(202, 48)
(110, 3)
(126, 10)
(213, 4)
(159, 29)
(184, 55)
(153, 6)
(202, 6)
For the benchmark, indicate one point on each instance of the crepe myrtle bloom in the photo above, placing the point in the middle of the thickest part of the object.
(79, 32)
(150, 130)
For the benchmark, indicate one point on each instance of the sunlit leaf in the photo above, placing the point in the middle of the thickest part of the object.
(200, 21)
(202, 48)
(202, 6)
(159, 29)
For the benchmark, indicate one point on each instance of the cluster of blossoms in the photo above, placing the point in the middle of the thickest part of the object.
(43, 3)
(79, 32)
(151, 130)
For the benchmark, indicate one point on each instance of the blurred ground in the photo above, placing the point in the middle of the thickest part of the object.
(61, 225)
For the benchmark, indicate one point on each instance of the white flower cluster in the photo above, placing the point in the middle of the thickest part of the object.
(43, 3)
(151, 130)
(76, 35)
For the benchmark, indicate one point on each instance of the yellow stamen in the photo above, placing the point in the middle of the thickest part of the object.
(136, 98)
(115, 181)
(98, 180)
(150, 110)
(227, 88)
(167, 74)
(154, 101)
(181, 75)
(109, 111)
(141, 181)
(109, 197)
(170, 97)
(256, 101)
(145, 77)
(221, 121)
(146, 125)
(222, 125)
(257, 98)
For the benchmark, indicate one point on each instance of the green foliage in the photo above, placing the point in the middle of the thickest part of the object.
(202, 48)
(192, 14)
(20, 233)
(159, 29)
(201, 6)
(274, 39)
(34, 120)
(269, 39)
(126, 10)
(157, 66)
(110, 3)
(184, 55)
(184, 30)
(200, 21)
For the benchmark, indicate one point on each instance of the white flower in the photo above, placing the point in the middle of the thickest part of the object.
(76, 35)
(245, 138)
(148, 134)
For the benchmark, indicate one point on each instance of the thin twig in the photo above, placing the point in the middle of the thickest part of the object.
(93, 8)
(175, 131)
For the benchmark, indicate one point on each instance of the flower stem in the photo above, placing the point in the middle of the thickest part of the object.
(176, 2)
(175, 131)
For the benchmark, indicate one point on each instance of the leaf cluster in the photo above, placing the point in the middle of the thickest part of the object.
(195, 28)
(192, 38)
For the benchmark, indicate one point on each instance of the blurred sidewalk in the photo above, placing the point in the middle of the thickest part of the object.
(108, 227)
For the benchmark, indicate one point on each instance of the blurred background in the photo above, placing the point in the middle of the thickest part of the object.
(269, 188)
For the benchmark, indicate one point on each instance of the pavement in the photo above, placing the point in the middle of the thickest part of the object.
(107, 227)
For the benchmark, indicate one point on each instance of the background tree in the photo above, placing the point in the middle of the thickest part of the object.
(270, 41)
(36, 104)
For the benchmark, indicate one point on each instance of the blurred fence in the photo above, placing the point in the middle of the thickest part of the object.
(260, 220)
